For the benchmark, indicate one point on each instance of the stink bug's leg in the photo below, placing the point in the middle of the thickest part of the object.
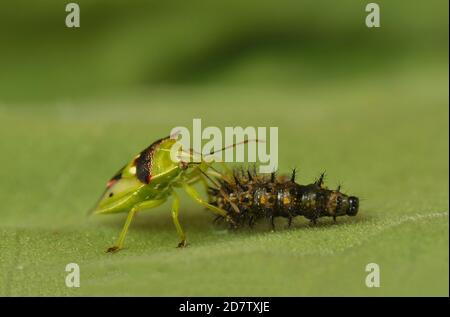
(204, 183)
(226, 174)
(194, 195)
(119, 243)
(131, 213)
(206, 186)
(224, 195)
(176, 221)
(227, 170)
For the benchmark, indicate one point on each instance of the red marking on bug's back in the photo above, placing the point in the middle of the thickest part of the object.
(115, 178)
(111, 182)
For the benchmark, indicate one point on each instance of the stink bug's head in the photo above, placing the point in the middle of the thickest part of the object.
(119, 192)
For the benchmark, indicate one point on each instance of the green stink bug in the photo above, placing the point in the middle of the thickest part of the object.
(148, 181)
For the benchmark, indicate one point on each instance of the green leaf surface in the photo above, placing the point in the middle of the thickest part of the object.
(369, 107)
(393, 155)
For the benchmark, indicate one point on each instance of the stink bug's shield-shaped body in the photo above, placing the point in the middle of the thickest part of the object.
(148, 181)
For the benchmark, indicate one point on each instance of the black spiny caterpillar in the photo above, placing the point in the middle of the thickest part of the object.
(249, 197)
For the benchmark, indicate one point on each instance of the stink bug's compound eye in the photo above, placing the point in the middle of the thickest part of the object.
(353, 206)
(111, 194)
(183, 165)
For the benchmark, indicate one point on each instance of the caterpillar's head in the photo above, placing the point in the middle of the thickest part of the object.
(340, 204)
(353, 206)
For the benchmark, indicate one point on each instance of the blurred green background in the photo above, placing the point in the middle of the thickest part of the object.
(369, 106)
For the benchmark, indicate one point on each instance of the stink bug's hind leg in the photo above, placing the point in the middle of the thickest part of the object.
(119, 243)
(176, 221)
(144, 205)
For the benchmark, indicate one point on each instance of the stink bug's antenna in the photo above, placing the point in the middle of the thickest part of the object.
(192, 151)
(236, 144)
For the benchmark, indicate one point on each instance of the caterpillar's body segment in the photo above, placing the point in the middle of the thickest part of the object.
(258, 196)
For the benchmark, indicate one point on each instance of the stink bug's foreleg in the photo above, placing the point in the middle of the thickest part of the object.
(144, 205)
(206, 186)
(195, 195)
(201, 178)
(176, 221)
(227, 172)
